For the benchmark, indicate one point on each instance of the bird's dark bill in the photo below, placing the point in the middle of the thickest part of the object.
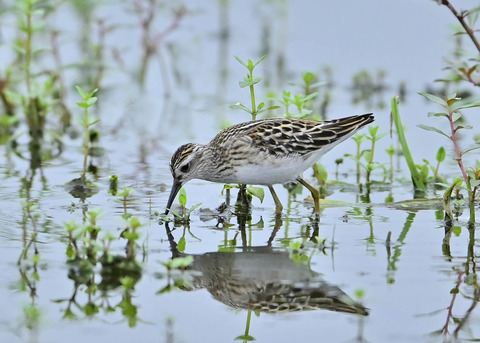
(173, 193)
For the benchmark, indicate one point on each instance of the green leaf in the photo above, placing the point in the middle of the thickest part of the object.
(260, 60)
(250, 65)
(468, 150)
(131, 236)
(134, 223)
(457, 230)
(182, 197)
(367, 154)
(181, 262)
(82, 104)
(310, 96)
(456, 116)
(431, 128)
(441, 154)
(391, 150)
(239, 106)
(256, 192)
(437, 114)
(80, 91)
(245, 338)
(435, 99)
(474, 183)
(423, 171)
(373, 130)
(471, 101)
(182, 243)
(247, 82)
(308, 77)
(322, 171)
(194, 207)
(91, 101)
(241, 62)
(230, 186)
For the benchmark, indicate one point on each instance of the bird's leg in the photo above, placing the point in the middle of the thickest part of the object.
(278, 204)
(315, 194)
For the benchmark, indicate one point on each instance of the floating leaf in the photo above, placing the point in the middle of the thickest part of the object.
(245, 338)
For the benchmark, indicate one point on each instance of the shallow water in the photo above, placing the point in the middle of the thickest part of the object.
(405, 283)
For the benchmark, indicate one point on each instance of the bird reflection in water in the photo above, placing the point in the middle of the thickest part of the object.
(264, 279)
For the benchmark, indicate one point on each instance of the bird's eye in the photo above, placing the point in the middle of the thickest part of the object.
(185, 168)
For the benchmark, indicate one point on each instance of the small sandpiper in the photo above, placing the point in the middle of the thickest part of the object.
(262, 152)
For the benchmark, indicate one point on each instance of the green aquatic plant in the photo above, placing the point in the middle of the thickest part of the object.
(88, 101)
(358, 138)
(246, 337)
(301, 104)
(369, 154)
(83, 188)
(417, 180)
(250, 81)
(184, 216)
(366, 154)
(250, 191)
(451, 110)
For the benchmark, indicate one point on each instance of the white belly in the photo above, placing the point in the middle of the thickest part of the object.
(274, 171)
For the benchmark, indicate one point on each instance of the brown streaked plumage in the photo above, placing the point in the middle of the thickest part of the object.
(263, 152)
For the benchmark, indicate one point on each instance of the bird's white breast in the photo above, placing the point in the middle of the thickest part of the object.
(273, 170)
